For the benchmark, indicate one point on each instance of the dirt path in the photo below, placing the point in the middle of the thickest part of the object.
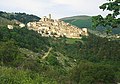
(47, 53)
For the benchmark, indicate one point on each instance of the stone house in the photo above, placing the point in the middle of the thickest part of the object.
(50, 27)
(9, 26)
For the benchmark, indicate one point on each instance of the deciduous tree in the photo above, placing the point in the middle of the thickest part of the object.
(111, 20)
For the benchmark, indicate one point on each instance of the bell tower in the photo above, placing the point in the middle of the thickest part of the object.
(49, 16)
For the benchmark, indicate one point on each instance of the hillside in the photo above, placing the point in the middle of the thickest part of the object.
(79, 21)
(86, 22)
(28, 58)
(21, 17)
(37, 59)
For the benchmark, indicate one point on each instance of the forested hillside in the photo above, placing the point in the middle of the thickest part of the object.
(5, 22)
(21, 17)
(26, 57)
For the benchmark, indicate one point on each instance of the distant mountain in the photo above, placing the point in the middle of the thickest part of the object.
(86, 21)
(22, 17)
(79, 21)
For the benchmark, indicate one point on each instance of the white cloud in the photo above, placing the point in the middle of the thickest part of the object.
(30, 6)
(69, 2)
(59, 8)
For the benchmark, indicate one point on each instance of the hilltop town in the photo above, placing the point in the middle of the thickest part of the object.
(47, 26)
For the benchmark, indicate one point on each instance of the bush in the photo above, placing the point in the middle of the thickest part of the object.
(89, 73)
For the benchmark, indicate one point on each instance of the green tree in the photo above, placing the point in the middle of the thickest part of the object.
(8, 52)
(111, 20)
(89, 73)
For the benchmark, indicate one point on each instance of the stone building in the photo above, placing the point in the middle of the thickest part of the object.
(51, 27)
(21, 25)
(9, 26)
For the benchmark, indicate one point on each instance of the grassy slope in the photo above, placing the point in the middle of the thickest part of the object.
(79, 21)
(86, 21)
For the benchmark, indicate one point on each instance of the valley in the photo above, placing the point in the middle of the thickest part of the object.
(27, 57)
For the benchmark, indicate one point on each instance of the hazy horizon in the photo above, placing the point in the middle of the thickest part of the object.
(58, 8)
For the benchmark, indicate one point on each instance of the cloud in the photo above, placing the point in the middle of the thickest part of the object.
(30, 6)
(69, 2)
(78, 4)
(86, 7)
(59, 8)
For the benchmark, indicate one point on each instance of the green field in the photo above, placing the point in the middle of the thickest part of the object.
(72, 40)
(86, 22)
(79, 21)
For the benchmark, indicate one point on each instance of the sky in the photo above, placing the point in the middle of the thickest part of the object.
(58, 8)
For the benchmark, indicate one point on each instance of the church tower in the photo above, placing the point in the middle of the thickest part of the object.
(49, 16)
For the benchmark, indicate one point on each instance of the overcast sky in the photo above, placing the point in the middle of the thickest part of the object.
(58, 8)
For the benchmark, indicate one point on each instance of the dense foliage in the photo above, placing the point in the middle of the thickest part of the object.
(30, 40)
(22, 17)
(90, 60)
(111, 20)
